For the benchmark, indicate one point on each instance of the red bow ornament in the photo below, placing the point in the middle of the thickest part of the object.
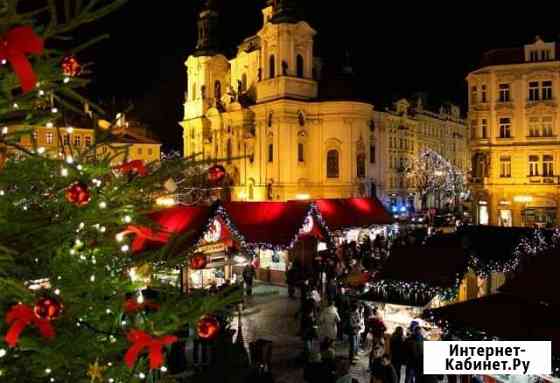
(19, 317)
(140, 341)
(143, 236)
(13, 47)
(134, 167)
(131, 306)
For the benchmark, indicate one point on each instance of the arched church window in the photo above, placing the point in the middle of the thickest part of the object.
(300, 66)
(271, 66)
(218, 90)
(361, 165)
(284, 68)
(332, 164)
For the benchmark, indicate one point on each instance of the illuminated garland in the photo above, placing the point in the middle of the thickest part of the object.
(415, 293)
(451, 332)
(528, 246)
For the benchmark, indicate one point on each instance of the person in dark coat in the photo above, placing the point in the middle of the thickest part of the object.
(248, 276)
(291, 280)
(398, 351)
(415, 350)
(387, 371)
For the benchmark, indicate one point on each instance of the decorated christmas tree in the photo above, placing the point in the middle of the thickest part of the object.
(81, 300)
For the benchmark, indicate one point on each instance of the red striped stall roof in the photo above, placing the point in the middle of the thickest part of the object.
(353, 212)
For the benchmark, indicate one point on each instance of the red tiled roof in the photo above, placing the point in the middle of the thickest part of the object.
(353, 212)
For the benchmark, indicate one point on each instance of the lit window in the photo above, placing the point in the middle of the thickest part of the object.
(332, 164)
(547, 90)
(87, 140)
(66, 139)
(505, 166)
(505, 128)
(534, 127)
(484, 128)
(548, 170)
(139, 151)
(483, 94)
(474, 95)
(533, 166)
(533, 91)
(547, 126)
(150, 151)
(49, 138)
(504, 93)
(77, 140)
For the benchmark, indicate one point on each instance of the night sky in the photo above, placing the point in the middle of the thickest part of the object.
(396, 48)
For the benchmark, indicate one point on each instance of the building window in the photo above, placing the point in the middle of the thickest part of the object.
(371, 126)
(332, 164)
(49, 138)
(87, 140)
(547, 90)
(484, 128)
(269, 120)
(533, 91)
(372, 154)
(194, 91)
(473, 129)
(192, 133)
(474, 95)
(483, 94)
(534, 127)
(547, 170)
(533, 166)
(77, 140)
(505, 128)
(504, 93)
(228, 151)
(270, 152)
(66, 139)
(505, 166)
(534, 56)
(150, 151)
(547, 126)
(300, 153)
(300, 66)
(271, 65)
(139, 151)
(361, 165)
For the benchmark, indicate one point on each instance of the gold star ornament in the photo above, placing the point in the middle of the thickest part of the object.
(95, 371)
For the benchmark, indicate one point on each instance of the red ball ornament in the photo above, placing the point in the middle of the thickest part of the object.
(198, 262)
(70, 66)
(207, 327)
(78, 194)
(216, 173)
(47, 308)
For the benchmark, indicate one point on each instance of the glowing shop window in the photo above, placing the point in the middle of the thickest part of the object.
(483, 215)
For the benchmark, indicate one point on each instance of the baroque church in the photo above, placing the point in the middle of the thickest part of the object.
(272, 118)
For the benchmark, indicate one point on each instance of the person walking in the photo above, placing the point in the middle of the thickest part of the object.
(387, 373)
(355, 325)
(248, 276)
(415, 350)
(398, 351)
(328, 323)
(291, 280)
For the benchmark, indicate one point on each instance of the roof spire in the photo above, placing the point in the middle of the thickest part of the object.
(285, 11)
(207, 44)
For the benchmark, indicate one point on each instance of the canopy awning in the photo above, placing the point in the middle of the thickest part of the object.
(502, 316)
(347, 213)
(537, 279)
(413, 276)
(268, 223)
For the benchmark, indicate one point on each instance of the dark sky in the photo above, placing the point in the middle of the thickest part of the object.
(397, 49)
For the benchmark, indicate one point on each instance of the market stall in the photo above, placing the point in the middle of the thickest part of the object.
(412, 279)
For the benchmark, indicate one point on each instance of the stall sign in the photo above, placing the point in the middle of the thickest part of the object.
(214, 232)
(213, 248)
